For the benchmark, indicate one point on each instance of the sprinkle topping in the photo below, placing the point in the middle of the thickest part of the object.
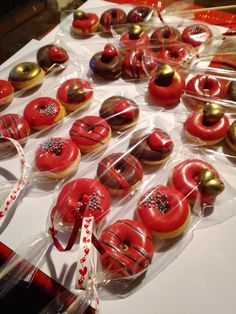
(94, 201)
(158, 200)
(54, 145)
(49, 110)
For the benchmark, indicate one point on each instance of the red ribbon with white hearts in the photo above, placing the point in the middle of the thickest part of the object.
(20, 183)
(85, 274)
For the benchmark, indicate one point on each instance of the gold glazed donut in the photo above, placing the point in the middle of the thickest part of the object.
(26, 75)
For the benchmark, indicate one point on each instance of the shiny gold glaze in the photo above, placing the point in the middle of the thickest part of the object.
(24, 71)
(76, 92)
(209, 183)
(232, 132)
(165, 75)
(212, 112)
(79, 15)
(135, 31)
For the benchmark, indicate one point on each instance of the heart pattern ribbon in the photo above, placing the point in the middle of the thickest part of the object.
(20, 183)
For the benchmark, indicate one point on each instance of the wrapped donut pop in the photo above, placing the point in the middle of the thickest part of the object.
(77, 199)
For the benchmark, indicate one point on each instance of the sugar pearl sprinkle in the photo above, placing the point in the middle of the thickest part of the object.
(157, 200)
(48, 110)
(54, 145)
(94, 201)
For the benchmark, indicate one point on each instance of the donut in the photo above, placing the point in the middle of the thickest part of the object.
(52, 58)
(135, 37)
(197, 180)
(120, 112)
(107, 64)
(231, 136)
(152, 147)
(209, 124)
(196, 34)
(164, 211)
(75, 94)
(139, 63)
(57, 157)
(175, 54)
(26, 75)
(140, 14)
(120, 173)
(112, 17)
(200, 87)
(6, 92)
(90, 133)
(231, 91)
(166, 87)
(14, 126)
(43, 112)
(85, 197)
(164, 35)
(128, 248)
(84, 23)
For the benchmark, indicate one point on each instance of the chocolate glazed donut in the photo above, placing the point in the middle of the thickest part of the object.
(114, 17)
(120, 172)
(116, 119)
(110, 69)
(46, 62)
(142, 145)
(139, 14)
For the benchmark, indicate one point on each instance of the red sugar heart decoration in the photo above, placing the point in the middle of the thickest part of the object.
(83, 271)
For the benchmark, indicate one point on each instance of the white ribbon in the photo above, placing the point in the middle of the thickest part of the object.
(20, 183)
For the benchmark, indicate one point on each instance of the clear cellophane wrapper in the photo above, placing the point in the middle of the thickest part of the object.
(165, 250)
(62, 223)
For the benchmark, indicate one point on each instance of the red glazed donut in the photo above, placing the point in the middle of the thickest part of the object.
(128, 248)
(120, 173)
(178, 53)
(207, 125)
(203, 86)
(134, 37)
(75, 94)
(164, 211)
(107, 64)
(196, 34)
(88, 197)
(90, 133)
(84, 23)
(14, 126)
(139, 63)
(164, 35)
(52, 58)
(151, 147)
(120, 112)
(6, 92)
(57, 157)
(43, 112)
(112, 17)
(197, 180)
(165, 89)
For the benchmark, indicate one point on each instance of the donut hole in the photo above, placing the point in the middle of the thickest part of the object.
(166, 33)
(90, 129)
(119, 167)
(173, 54)
(124, 246)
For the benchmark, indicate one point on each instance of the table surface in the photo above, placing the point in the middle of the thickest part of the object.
(201, 280)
